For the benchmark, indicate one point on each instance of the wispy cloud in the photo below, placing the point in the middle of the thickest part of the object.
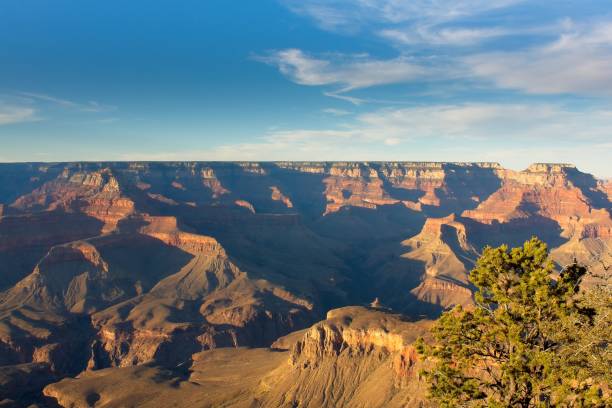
(351, 15)
(578, 62)
(22, 107)
(16, 114)
(470, 121)
(337, 112)
(456, 33)
(415, 35)
(90, 106)
(450, 132)
(346, 72)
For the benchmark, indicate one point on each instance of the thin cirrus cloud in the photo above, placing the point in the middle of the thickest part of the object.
(469, 121)
(16, 114)
(420, 22)
(23, 107)
(345, 72)
(445, 125)
(90, 106)
(350, 15)
(578, 62)
(337, 112)
(444, 36)
(555, 56)
(454, 34)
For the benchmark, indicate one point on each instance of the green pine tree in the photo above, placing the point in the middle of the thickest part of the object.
(513, 348)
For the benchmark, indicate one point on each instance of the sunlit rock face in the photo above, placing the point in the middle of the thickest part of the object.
(121, 264)
(355, 357)
(93, 193)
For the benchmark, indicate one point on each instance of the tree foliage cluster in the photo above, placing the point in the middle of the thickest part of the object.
(533, 338)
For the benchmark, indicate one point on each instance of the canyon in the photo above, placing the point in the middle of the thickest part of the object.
(272, 284)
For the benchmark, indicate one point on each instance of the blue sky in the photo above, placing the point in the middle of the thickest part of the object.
(447, 80)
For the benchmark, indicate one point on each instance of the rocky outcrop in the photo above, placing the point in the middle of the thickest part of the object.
(359, 331)
(209, 302)
(432, 184)
(354, 186)
(442, 292)
(444, 248)
(356, 357)
(277, 195)
(428, 272)
(245, 204)
(194, 298)
(210, 180)
(606, 186)
(546, 190)
(94, 193)
(562, 195)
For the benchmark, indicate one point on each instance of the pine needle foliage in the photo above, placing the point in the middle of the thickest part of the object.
(520, 345)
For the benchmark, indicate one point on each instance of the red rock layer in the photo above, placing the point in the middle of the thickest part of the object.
(544, 190)
(277, 195)
(94, 193)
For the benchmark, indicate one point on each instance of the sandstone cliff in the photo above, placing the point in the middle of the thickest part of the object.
(357, 357)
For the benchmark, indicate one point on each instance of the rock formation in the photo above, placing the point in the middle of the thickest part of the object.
(356, 357)
(135, 269)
